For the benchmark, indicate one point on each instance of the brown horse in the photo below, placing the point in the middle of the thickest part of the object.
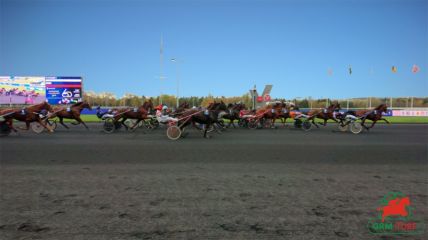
(72, 112)
(139, 113)
(373, 115)
(181, 108)
(285, 112)
(207, 117)
(233, 111)
(325, 114)
(28, 115)
(271, 112)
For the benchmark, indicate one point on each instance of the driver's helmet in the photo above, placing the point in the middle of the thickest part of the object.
(165, 108)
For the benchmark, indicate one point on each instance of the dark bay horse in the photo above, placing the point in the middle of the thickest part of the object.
(72, 112)
(325, 114)
(139, 113)
(207, 116)
(232, 113)
(285, 111)
(373, 115)
(28, 115)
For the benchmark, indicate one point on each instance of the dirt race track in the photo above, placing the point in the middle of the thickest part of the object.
(242, 184)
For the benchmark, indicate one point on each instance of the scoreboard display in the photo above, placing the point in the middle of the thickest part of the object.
(63, 90)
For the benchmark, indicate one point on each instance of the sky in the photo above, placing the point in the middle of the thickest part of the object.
(223, 48)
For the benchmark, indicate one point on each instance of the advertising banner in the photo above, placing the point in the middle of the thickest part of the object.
(63, 90)
(410, 113)
(22, 90)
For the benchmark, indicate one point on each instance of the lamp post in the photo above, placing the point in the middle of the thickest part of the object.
(175, 60)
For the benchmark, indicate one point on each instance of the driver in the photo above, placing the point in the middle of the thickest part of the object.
(162, 114)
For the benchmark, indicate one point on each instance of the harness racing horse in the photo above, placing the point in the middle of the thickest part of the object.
(233, 111)
(140, 113)
(373, 115)
(325, 114)
(272, 112)
(285, 112)
(72, 112)
(208, 117)
(181, 108)
(28, 115)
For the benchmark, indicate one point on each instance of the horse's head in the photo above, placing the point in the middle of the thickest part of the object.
(86, 105)
(148, 105)
(46, 106)
(382, 108)
(337, 107)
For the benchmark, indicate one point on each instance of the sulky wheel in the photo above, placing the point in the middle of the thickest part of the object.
(37, 127)
(4, 129)
(173, 132)
(356, 127)
(154, 122)
(306, 125)
(252, 123)
(343, 127)
(109, 125)
(298, 123)
(52, 124)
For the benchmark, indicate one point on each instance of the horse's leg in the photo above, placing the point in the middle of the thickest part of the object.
(373, 123)
(79, 120)
(123, 122)
(314, 123)
(362, 123)
(27, 125)
(61, 121)
(272, 124)
(385, 120)
(136, 123)
(10, 123)
(206, 130)
(43, 124)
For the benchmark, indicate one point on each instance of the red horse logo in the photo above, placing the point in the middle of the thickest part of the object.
(395, 207)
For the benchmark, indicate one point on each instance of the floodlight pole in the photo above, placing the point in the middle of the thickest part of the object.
(175, 60)
(161, 77)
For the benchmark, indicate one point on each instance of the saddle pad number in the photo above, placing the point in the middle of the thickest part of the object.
(68, 109)
(206, 112)
(135, 109)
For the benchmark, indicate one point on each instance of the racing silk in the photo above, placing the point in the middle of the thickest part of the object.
(294, 113)
(158, 113)
(164, 118)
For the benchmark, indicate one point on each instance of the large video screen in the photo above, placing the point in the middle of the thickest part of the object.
(22, 90)
(63, 90)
